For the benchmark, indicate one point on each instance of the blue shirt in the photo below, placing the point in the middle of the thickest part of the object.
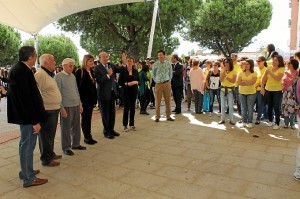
(162, 71)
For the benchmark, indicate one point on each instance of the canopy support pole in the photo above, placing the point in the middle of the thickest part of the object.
(152, 28)
(36, 42)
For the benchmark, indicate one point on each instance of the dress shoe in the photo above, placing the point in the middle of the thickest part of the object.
(36, 182)
(53, 163)
(34, 171)
(68, 152)
(114, 133)
(178, 113)
(109, 136)
(174, 111)
(56, 157)
(79, 148)
(156, 120)
(90, 141)
(170, 119)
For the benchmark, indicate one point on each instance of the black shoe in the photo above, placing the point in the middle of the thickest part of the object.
(109, 136)
(90, 141)
(68, 152)
(146, 113)
(170, 119)
(156, 120)
(174, 111)
(114, 133)
(79, 148)
(178, 113)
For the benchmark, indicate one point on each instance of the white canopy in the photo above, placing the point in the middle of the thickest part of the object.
(33, 15)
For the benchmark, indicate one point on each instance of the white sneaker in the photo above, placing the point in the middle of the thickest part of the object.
(250, 125)
(270, 124)
(275, 127)
(132, 128)
(125, 129)
(243, 125)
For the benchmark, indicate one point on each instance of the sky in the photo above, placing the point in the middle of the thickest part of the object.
(277, 33)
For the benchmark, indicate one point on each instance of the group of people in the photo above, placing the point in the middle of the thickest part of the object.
(68, 94)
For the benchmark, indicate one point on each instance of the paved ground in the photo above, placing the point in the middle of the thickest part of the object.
(192, 157)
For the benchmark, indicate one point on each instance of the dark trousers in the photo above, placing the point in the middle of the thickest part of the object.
(177, 95)
(152, 97)
(144, 101)
(129, 108)
(212, 94)
(86, 120)
(198, 101)
(108, 114)
(47, 135)
(274, 102)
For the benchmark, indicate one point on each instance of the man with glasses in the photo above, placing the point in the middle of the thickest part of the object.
(70, 108)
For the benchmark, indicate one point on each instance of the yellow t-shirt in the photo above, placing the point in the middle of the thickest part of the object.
(247, 90)
(260, 73)
(226, 82)
(237, 68)
(272, 84)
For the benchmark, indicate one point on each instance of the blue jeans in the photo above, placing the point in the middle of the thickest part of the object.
(290, 119)
(26, 148)
(212, 94)
(247, 103)
(223, 104)
(274, 102)
(198, 101)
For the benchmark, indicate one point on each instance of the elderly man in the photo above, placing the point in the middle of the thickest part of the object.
(162, 74)
(70, 108)
(107, 92)
(25, 107)
(52, 100)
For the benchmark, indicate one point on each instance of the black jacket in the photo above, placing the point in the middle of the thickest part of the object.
(24, 101)
(177, 79)
(86, 87)
(104, 83)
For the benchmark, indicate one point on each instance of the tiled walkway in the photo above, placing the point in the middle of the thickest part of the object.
(192, 157)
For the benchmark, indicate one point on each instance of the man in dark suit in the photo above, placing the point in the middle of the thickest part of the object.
(107, 93)
(177, 83)
(25, 107)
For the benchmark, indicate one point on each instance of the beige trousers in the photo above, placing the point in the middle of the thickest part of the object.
(163, 89)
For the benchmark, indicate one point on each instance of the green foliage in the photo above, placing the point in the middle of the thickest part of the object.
(227, 26)
(127, 26)
(10, 41)
(60, 47)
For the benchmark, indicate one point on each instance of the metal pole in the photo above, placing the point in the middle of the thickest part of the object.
(36, 42)
(152, 28)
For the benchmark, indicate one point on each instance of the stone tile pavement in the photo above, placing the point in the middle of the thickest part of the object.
(193, 157)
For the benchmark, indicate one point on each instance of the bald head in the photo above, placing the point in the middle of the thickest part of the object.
(103, 57)
(48, 62)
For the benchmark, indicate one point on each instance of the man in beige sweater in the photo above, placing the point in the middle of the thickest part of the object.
(52, 100)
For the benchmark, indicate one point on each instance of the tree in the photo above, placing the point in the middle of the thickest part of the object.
(227, 26)
(10, 41)
(127, 26)
(60, 47)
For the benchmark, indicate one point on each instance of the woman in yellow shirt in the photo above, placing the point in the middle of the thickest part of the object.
(260, 100)
(271, 87)
(227, 79)
(247, 92)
